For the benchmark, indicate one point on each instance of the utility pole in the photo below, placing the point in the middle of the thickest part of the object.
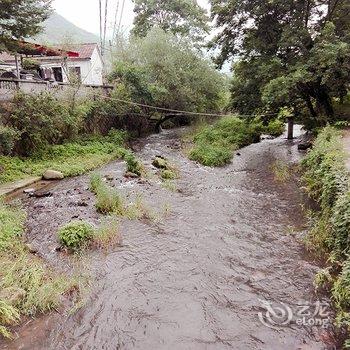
(105, 24)
(290, 123)
(100, 11)
(17, 67)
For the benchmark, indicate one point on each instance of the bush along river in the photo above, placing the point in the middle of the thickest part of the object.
(216, 263)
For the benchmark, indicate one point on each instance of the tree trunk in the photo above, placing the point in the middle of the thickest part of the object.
(325, 102)
(310, 106)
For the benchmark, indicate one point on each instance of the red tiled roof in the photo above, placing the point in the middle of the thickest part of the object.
(85, 51)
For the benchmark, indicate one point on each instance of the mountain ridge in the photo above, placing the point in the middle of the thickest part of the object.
(58, 30)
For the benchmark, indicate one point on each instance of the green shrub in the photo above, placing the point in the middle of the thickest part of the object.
(341, 288)
(133, 164)
(75, 234)
(96, 183)
(27, 286)
(41, 119)
(30, 64)
(340, 222)
(168, 174)
(275, 128)
(328, 182)
(11, 225)
(211, 155)
(325, 174)
(214, 144)
(73, 158)
(108, 200)
(8, 138)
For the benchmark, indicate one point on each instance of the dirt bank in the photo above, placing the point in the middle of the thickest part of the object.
(194, 277)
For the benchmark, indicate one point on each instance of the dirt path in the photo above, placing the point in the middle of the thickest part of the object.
(195, 279)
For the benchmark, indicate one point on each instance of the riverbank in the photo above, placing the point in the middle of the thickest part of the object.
(346, 144)
(196, 272)
(327, 180)
(71, 158)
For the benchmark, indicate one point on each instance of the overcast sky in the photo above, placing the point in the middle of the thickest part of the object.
(85, 13)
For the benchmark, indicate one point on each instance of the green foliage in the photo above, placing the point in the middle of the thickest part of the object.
(275, 127)
(72, 158)
(291, 55)
(167, 174)
(108, 200)
(96, 182)
(182, 80)
(27, 286)
(133, 164)
(214, 144)
(41, 120)
(11, 225)
(9, 315)
(75, 234)
(184, 17)
(30, 64)
(328, 182)
(340, 221)
(21, 19)
(8, 138)
(341, 288)
(325, 173)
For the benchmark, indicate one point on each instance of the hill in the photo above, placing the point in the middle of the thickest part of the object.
(58, 30)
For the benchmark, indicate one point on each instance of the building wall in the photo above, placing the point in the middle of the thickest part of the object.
(94, 71)
(91, 69)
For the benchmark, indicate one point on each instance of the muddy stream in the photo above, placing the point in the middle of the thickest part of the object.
(224, 240)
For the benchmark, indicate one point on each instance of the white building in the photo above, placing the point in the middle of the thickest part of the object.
(84, 60)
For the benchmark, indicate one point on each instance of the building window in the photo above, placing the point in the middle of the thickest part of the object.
(75, 72)
(57, 72)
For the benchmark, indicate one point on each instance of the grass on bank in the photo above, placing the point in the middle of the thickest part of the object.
(71, 158)
(27, 285)
(214, 144)
(78, 235)
(110, 202)
(328, 182)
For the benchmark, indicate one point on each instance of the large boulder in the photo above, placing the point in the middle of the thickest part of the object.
(304, 145)
(52, 175)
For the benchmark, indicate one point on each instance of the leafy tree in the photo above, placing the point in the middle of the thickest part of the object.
(294, 53)
(165, 70)
(184, 17)
(20, 19)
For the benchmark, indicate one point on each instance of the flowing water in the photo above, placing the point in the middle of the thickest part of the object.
(196, 277)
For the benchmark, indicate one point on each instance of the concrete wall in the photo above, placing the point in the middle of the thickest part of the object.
(9, 87)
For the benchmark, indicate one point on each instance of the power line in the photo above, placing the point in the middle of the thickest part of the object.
(115, 20)
(121, 17)
(181, 112)
(100, 12)
(105, 24)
